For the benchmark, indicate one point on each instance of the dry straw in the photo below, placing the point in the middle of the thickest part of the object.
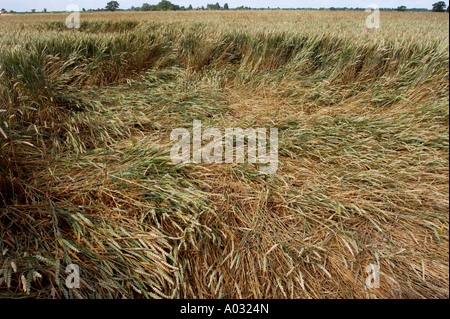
(85, 177)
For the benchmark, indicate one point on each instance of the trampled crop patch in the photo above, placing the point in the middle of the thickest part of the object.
(361, 186)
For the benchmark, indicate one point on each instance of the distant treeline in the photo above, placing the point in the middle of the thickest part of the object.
(148, 7)
(166, 5)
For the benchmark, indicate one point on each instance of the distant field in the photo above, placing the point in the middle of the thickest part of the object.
(86, 178)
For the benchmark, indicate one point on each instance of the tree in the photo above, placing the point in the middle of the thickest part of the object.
(402, 8)
(33, 10)
(45, 10)
(226, 7)
(165, 5)
(439, 6)
(213, 6)
(112, 6)
(147, 7)
(190, 7)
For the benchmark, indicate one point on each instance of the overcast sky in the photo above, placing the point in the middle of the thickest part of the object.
(60, 5)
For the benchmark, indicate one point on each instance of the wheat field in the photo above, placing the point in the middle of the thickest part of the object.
(86, 177)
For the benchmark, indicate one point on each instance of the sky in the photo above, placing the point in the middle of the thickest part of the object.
(60, 5)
